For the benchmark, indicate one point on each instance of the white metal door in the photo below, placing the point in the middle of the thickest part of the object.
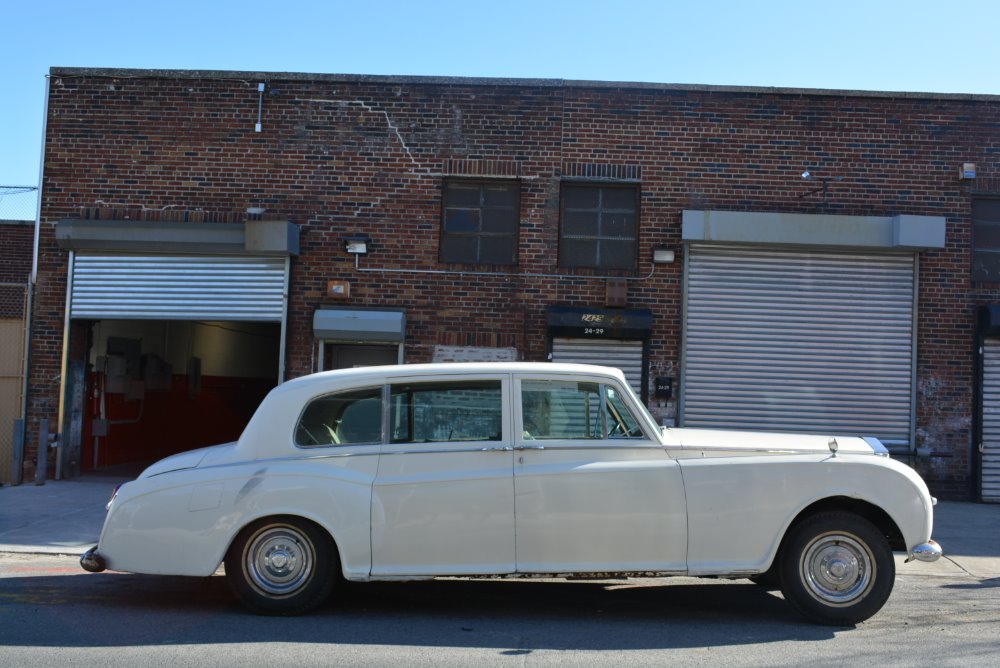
(789, 340)
(990, 470)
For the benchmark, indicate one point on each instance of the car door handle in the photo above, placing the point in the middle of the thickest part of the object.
(498, 448)
(530, 447)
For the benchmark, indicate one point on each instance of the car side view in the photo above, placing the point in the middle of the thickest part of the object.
(515, 470)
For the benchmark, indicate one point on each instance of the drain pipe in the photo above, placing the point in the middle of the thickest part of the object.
(33, 279)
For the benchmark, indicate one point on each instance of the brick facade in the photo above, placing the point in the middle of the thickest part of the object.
(340, 155)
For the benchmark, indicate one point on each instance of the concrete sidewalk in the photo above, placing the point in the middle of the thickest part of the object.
(65, 517)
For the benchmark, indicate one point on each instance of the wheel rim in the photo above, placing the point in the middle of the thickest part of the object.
(279, 560)
(837, 568)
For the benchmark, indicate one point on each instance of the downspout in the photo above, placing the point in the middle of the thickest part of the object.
(33, 279)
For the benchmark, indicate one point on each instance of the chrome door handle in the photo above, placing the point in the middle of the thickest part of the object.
(530, 447)
(498, 448)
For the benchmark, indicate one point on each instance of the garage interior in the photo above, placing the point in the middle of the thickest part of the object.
(155, 388)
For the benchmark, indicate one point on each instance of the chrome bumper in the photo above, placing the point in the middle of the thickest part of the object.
(929, 551)
(93, 562)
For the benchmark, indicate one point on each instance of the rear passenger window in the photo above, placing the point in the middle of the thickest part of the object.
(353, 417)
(447, 411)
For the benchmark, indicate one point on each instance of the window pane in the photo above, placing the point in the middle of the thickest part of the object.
(461, 220)
(577, 197)
(498, 250)
(461, 194)
(621, 423)
(459, 249)
(618, 198)
(499, 221)
(986, 234)
(560, 409)
(584, 223)
(440, 412)
(577, 253)
(342, 418)
(504, 195)
(618, 225)
(617, 254)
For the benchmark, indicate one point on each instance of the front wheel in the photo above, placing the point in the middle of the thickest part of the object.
(281, 566)
(837, 568)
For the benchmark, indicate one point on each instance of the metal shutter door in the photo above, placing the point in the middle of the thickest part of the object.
(619, 353)
(178, 288)
(991, 421)
(789, 340)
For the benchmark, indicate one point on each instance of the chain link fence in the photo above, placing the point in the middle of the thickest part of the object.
(18, 202)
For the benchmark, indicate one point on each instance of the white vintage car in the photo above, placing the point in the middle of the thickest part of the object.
(517, 470)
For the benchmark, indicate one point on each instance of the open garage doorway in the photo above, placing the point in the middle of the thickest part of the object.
(158, 387)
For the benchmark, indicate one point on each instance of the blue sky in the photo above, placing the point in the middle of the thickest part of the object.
(912, 45)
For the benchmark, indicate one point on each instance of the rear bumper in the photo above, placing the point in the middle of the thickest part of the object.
(92, 561)
(929, 551)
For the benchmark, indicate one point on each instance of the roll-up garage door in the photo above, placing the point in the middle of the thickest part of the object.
(991, 421)
(789, 340)
(622, 354)
(165, 287)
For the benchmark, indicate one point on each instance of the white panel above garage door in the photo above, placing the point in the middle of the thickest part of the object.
(789, 340)
(622, 354)
(990, 462)
(163, 287)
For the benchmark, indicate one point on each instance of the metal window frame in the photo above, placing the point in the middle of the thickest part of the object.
(479, 235)
(601, 186)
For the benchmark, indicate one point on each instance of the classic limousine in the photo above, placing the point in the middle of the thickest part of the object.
(418, 471)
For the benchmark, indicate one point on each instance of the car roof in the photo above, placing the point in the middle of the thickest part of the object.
(360, 374)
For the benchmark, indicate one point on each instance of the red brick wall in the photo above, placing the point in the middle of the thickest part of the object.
(339, 156)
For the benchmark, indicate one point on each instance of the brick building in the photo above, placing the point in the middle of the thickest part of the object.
(764, 258)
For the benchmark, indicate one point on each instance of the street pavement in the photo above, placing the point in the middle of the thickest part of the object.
(65, 517)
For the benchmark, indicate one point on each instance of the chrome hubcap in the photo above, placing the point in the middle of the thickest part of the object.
(279, 560)
(837, 568)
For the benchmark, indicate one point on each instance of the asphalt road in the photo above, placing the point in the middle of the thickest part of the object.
(52, 613)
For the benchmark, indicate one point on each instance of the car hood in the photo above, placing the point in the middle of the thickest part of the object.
(191, 459)
(756, 442)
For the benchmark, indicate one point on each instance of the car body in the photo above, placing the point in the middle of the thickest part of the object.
(514, 470)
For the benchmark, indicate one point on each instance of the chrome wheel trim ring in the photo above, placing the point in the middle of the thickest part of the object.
(837, 568)
(279, 560)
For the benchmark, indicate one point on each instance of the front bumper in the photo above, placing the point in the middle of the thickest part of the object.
(929, 551)
(92, 561)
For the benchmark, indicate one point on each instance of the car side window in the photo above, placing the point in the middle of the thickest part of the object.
(555, 409)
(446, 411)
(619, 420)
(343, 418)
(560, 409)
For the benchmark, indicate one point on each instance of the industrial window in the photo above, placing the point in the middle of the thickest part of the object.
(599, 226)
(986, 239)
(480, 222)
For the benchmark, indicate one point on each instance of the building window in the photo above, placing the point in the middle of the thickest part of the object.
(986, 239)
(599, 226)
(480, 222)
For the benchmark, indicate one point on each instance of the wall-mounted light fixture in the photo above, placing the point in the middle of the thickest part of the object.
(357, 244)
(663, 255)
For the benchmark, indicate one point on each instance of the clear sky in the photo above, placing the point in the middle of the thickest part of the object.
(906, 45)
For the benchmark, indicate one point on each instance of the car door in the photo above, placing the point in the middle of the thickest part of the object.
(593, 491)
(443, 499)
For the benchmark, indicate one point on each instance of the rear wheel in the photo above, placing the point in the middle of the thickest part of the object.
(837, 568)
(282, 566)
